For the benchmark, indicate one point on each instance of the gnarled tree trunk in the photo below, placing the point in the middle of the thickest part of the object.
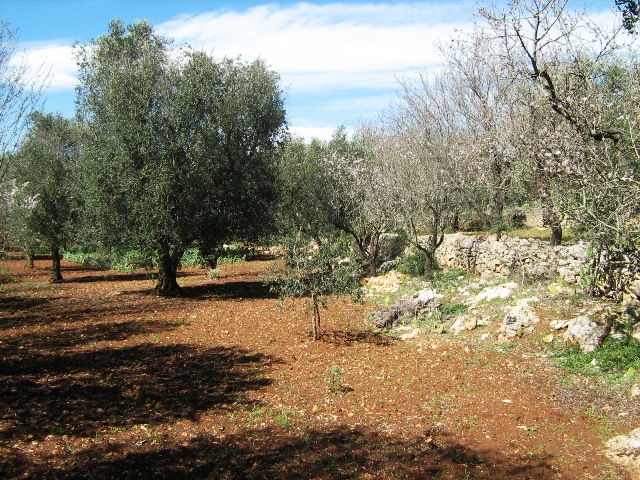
(169, 259)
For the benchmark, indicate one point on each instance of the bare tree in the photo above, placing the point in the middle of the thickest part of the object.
(485, 100)
(20, 92)
(424, 148)
(582, 82)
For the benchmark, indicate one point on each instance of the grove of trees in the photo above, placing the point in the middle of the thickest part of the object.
(537, 105)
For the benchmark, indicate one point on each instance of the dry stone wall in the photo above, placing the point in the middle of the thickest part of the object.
(512, 256)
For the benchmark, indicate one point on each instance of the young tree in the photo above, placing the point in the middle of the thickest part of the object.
(178, 152)
(44, 172)
(316, 271)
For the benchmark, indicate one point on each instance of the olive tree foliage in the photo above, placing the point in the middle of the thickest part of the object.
(178, 151)
(630, 13)
(582, 81)
(20, 92)
(337, 187)
(44, 202)
(315, 272)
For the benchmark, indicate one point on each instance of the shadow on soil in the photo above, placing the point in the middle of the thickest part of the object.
(82, 393)
(237, 290)
(348, 338)
(21, 311)
(274, 453)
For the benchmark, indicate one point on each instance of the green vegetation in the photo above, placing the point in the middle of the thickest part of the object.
(616, 359)
(199, 168)
(315, 272)
(413, 263)
(334, 380)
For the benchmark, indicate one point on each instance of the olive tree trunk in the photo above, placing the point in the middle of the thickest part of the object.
(169, 260)
(56, 274)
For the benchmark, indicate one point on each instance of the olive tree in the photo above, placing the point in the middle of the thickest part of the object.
(315, 272)
(178, 151)
(45, 201)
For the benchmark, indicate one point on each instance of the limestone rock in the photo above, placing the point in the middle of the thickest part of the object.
(558, 324)
(426, 295)
(521, 320)
(491, 257)
(501, 291)
(625, 450)
(586, 333)
(462, 324)
(403, 312)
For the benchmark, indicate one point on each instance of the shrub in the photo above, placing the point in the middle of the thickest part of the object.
(413, 263)
(193, 258)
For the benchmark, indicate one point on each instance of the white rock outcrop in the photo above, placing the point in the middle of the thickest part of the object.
(585, 332)
(625, 450)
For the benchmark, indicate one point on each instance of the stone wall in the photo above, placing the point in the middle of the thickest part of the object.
(512, 256)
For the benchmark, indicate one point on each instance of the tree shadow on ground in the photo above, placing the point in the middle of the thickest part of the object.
(54, 339)
(10, 303)
(338, 452)
(237, 290)
(80, 393)
(348, 338)
(110, 276)
(41, 312)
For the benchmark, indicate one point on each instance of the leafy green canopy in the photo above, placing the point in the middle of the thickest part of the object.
(45, 206)
(178, 151)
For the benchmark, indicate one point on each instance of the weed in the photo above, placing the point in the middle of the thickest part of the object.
(5, 277)
(334, 380)
(437, 400)
(454, 309)
(255, 416)
(284, 418)
(591, 411)
(506, 347)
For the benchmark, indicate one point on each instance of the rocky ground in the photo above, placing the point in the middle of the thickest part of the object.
(101, 379)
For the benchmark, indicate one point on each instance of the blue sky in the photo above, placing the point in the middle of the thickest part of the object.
(339, 61)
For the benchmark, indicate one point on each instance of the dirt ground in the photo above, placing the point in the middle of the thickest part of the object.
(100, 379)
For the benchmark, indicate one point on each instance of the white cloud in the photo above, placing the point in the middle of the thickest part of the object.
(309, 133)
(328, 46)
(56, 59)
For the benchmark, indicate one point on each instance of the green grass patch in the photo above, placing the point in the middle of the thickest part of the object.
(618, 359)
